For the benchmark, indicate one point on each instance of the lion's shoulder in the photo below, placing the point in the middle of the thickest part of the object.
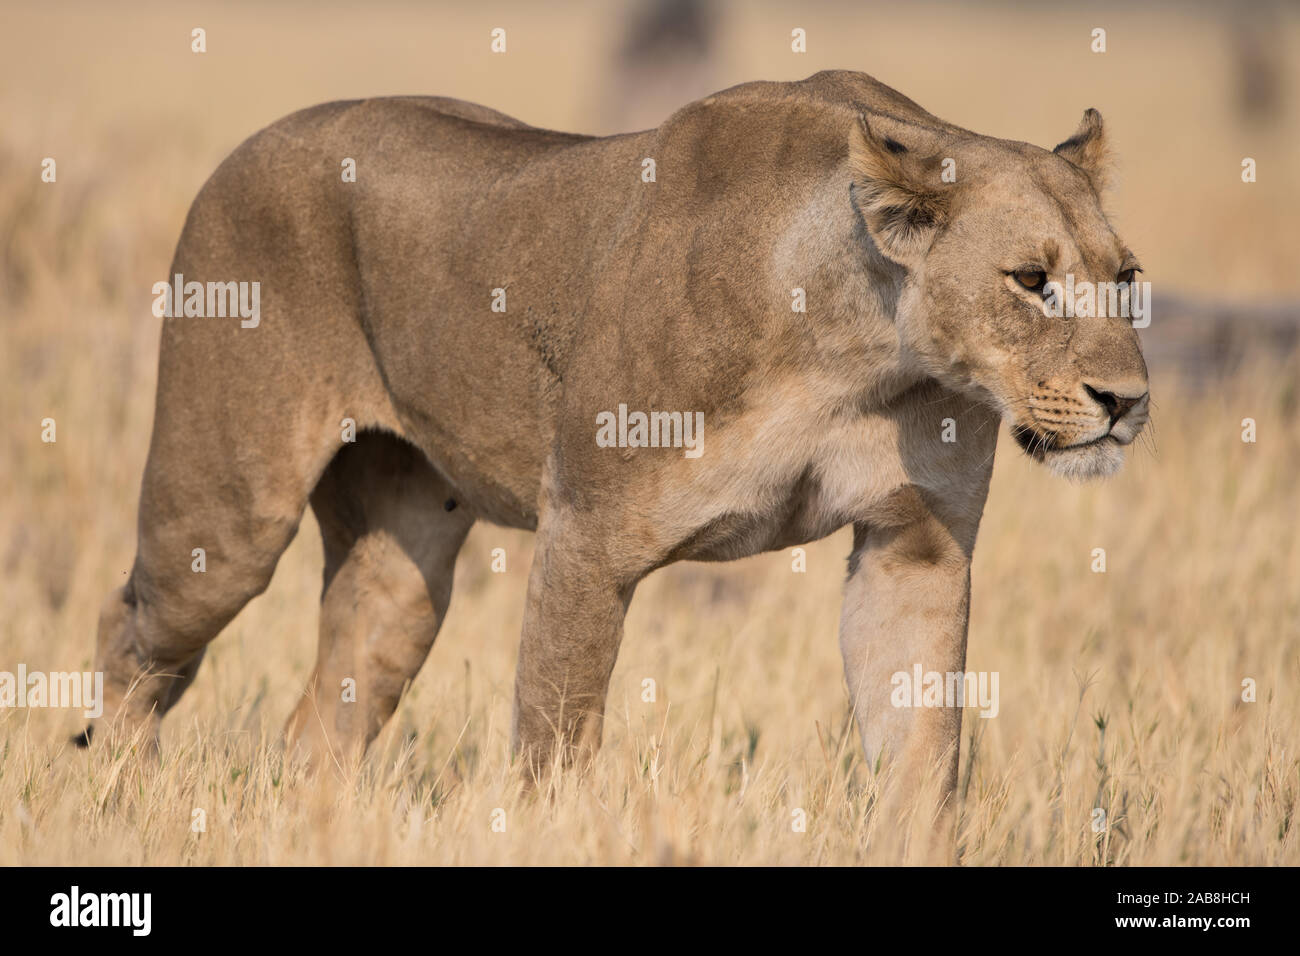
(833, 93)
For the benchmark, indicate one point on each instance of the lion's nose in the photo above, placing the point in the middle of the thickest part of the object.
(1116, 405)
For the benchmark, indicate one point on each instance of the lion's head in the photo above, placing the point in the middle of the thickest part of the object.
(996, 237)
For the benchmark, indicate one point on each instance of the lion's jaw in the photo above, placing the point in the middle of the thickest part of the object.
(1079, 456)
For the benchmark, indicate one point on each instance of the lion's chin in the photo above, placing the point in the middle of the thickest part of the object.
(1099, 459)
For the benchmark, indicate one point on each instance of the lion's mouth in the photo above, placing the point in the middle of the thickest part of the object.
(1037, 443)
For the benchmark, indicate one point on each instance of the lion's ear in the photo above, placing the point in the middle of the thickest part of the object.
(1087, 149)
(897, 185)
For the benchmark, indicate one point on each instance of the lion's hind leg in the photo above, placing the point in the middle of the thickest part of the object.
(391, 527)
(215, 516)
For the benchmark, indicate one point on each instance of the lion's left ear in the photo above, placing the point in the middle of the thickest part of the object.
(1087, 149)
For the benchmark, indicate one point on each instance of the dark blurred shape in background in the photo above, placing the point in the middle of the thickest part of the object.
(1258, 51)
(665, 60)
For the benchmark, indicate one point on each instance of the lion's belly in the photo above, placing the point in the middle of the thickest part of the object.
(475, 415)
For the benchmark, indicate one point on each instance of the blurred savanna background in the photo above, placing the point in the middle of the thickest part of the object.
(1120, 691)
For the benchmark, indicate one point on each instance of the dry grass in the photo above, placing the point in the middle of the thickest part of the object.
(750, 722)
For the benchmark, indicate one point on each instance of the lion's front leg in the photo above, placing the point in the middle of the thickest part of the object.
(573, 625)
(906, 607)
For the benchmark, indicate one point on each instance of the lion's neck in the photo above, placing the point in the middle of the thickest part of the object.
(845, 340)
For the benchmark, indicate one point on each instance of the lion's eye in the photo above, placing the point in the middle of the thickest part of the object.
(1127, 276)
(1031, 279)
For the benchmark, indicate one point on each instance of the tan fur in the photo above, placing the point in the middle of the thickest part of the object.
(670, 295)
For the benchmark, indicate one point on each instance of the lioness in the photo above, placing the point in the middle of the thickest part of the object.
(794, 270)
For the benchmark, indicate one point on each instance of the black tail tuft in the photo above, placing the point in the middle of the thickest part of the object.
(82, 739)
